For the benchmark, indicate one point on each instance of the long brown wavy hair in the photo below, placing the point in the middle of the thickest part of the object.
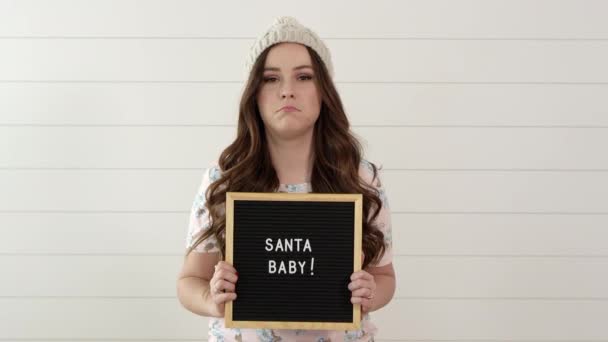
(246, 165)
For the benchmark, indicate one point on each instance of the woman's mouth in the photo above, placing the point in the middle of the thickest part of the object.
(289, 109)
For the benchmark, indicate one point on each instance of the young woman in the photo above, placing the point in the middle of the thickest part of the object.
(293, 136)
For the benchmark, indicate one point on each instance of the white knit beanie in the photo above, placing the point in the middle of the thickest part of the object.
(288, 29)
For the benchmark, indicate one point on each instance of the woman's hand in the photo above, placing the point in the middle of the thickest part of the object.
(363, 288)
(222, 285)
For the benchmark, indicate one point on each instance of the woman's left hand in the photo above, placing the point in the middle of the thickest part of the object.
(363, 289)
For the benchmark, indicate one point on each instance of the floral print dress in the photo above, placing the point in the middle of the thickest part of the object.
(199, 221)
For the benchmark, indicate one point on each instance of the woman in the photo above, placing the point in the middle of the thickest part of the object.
(292, 136)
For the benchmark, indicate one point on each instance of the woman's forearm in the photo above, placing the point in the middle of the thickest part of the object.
(193, 293)
(385, 289)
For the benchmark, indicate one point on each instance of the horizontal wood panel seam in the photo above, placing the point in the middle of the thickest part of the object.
(553, 299)
(68, 125)
(200, 168)
(569, 39)
(572, 256)
(392, 212)
(335, 82)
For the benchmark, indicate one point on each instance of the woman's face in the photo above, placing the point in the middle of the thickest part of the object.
(288, 80)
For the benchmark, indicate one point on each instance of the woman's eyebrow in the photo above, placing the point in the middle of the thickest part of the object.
(296, 68)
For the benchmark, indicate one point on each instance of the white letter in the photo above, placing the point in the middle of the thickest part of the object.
(307, 245)
(268, 245)
(292, 267)
(272, 266)
(279, 246)
(282, 268)
(298, 244)
(302, 264)
(288, 245)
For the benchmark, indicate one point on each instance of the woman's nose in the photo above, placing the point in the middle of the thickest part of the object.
(287, 90)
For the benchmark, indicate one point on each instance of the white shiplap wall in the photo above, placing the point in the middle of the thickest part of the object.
(490, 118)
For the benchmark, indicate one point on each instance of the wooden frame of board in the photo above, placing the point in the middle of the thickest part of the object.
(357, 199)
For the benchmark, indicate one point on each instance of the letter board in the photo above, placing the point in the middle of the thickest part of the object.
(294, 254)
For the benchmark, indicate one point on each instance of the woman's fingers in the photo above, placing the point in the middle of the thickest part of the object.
(222, 265)
(362, 292)
(226, 275)
(360, 300)
(361, 274)
(362, 283)
(224, 297)
(362, 286)
(226, 271)
(222, 284)
(365, 303)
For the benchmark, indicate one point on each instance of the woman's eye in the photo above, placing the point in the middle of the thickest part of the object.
(273, 79)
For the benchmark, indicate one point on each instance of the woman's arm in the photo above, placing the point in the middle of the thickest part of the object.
(193, 285)
(384, 276)
(377, 282)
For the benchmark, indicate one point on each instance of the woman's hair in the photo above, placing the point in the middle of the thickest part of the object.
(246, 165)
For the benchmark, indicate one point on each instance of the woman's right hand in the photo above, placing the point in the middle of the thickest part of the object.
(222, 285)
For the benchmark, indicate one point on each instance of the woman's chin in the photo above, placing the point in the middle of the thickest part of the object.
(291, 132)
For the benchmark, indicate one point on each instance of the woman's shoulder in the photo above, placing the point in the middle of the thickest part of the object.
(212, 172)
(215, 172)
(370, 172)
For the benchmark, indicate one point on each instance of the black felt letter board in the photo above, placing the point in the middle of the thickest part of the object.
(294, 254)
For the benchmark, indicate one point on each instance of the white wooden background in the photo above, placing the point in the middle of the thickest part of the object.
(490, 118)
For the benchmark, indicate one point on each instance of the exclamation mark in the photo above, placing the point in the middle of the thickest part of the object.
(312, 266)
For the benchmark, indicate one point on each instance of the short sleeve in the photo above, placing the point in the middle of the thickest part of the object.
(383, 220)
(199, 216)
